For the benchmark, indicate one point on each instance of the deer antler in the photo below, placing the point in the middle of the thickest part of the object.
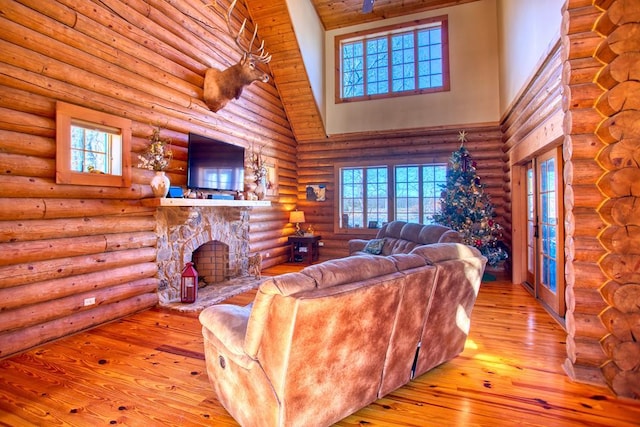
(258, 55)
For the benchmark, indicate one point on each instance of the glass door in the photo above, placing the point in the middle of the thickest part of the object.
(545, 237)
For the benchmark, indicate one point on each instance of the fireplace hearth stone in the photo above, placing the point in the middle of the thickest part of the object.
(217, 293)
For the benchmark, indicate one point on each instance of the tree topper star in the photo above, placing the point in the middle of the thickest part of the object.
(462, 136)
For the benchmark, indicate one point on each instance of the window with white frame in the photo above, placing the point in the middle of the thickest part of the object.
(393, 61)
(373, 195)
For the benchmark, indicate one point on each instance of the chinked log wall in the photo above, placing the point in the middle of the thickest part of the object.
(144, 60)
(319, 160)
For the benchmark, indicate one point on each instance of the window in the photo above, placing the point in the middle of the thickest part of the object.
(393, 61)
(92, 148)
(366, 194)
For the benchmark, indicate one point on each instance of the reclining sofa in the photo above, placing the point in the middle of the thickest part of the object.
(397, 237)
(317, 345)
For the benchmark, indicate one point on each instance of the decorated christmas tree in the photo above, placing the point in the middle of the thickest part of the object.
(466, 208)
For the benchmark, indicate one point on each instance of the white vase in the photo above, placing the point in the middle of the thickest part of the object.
(160, 184)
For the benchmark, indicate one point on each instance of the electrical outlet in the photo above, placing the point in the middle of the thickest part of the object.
(320, 243)
(89, 301)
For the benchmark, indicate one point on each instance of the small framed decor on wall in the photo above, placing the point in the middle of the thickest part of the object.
(271, 178)
(317, 192)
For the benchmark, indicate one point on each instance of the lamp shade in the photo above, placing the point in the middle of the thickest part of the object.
(296, 217)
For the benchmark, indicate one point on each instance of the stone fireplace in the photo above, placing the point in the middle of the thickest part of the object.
(216, 239)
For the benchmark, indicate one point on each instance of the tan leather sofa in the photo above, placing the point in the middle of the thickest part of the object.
(402, 237)
(317, 345)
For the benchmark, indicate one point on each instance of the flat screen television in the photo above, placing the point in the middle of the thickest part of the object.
(214, 165)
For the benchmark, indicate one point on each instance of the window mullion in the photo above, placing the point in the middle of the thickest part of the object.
(421, 193)
(391, 191)
(365, 61)
(389, 64)
(415, 61)
(364, 197)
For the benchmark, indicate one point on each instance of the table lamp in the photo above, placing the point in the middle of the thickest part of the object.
(296, 217)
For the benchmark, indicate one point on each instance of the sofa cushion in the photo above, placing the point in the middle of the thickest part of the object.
(408, 261)
(398, 246)
(347, 270)
(288, 284)
(411, 231)
(391, 229)
(439, 252)
(434, 233)
(374, 246)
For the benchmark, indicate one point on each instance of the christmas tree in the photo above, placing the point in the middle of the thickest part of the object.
(466, 208)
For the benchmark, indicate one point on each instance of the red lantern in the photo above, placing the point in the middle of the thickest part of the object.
(188, 283)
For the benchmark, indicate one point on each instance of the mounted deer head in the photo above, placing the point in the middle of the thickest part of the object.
(221, 86)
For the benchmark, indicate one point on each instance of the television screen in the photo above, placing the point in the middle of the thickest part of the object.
(214, 165)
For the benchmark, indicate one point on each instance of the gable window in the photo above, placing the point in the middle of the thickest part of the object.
(371, 196)
(393, 61)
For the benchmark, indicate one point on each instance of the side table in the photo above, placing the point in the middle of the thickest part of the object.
(304, 248)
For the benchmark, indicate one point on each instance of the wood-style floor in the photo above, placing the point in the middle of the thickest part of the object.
(149, 370)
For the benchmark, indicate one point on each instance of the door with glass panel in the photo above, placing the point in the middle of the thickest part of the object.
(545, 236)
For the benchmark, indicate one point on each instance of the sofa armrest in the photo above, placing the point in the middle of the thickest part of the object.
(228, 324)
(357, 245)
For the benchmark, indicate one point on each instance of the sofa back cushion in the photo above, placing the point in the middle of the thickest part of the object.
(324, 350)
(348, 270)
(440, 252)
(403, 237)
(318, 276)
(284, 285)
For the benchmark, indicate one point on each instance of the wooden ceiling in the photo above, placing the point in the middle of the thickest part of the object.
(343, 13)
(287, 66)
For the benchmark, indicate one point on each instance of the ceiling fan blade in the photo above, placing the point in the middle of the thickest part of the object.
(367, 6)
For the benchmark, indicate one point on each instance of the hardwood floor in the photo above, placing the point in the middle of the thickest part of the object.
(148, 370)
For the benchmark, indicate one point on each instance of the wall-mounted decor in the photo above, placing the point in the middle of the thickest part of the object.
(271, 178)
(317, 192)
(222, 86)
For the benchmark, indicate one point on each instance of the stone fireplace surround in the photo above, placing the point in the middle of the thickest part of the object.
(185, 225)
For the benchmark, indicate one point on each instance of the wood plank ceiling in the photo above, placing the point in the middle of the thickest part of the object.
(287, 67)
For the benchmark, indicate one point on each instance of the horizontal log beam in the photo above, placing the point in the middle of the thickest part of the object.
(16, 231)
(33, 314)
(38, 292)
(22, 339)
(22, 274)
(41, 250)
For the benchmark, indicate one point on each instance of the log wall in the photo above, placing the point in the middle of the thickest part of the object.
(592, 110)
(143, 60)
(619, 182)
(319, 160)
(583, 276)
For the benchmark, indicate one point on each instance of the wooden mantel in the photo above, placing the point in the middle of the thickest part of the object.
(205, 202)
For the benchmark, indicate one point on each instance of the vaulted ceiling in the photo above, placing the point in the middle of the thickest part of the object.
(287, 66)
(344, 13)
